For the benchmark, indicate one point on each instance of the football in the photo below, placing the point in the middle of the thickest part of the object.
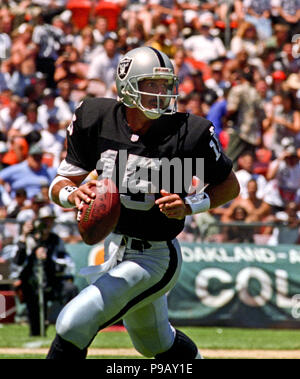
(98, 218)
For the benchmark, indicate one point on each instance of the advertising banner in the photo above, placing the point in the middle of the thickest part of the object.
(237, 285)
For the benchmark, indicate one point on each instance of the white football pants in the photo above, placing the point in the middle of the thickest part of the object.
(133, 290)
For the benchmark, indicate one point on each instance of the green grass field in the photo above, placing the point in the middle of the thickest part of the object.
(16, 336)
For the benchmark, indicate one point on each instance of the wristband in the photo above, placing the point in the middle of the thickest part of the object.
(64, 193)
(54, 181)
(200, 202)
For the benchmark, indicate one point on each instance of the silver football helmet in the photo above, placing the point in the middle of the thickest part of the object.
(147, 63)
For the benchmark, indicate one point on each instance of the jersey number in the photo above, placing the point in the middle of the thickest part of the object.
(133, 179)
(214, 144)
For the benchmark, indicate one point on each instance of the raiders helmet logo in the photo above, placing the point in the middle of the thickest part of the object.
(124, 67)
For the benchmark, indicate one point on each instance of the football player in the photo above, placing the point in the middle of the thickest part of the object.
(135, 140)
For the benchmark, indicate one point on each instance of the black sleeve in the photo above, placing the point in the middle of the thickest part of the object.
(82, 136)
(217, 166)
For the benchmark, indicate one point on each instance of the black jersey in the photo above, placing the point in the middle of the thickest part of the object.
(167, 157)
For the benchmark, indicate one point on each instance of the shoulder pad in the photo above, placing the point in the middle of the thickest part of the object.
(92, 110)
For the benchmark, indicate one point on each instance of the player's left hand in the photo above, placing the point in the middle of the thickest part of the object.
(172, 205)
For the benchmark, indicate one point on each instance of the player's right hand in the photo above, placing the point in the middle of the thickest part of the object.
(84, 193)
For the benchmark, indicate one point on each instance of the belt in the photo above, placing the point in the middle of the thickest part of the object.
(135, 244)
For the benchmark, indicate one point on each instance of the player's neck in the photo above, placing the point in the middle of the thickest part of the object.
(137, 121)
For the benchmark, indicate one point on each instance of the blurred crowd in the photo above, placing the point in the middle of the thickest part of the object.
(238, 66)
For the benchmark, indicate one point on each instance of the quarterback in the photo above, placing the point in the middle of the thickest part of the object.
(143, 254)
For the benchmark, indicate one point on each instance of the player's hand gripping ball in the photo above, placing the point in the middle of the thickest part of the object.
(99, 217)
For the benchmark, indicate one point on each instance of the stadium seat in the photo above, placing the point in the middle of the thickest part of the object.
(110, 11)
(80, 12)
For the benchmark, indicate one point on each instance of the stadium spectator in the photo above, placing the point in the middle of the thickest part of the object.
(69, 67)
(34, 92)
(216, 81)
(3, 150)
(288, 221)
(195, 104)
(52, 140)
(65, 103)
(257, 209)
(258, 12)
(288, 59)
(191, 231)
(45, 194)
(233, 66)
(38, 244)
(29, 122)
(263, 91)
(238, 233)
(4, 197)
(30, 174)
(265, 64)
(137, 13)
(22, 77)
(267, 126)
(22, 41)
(181, 103)
(285, 122)
(49, 40)
(165, 11)
(30, 211)
(137, 37)
(263, 158)
(159, 41)
(10, 113)
(5, 39)
(283, 177)
(194, 84)
(126, 41)
(175, 35)
(47, 108)
(181, 68)
(245, 172)
(17, 148)
(232, 10)
(293, 85)
(66, 225)
(17, 204)
(207, 227)
(245, 110)
(191, 10)
(103, 67)
(100, 29)
(246, 39)
(288, 12)
(3, 82)
(87, 46)
(204, 47)
(279, 38)
(216, 114)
